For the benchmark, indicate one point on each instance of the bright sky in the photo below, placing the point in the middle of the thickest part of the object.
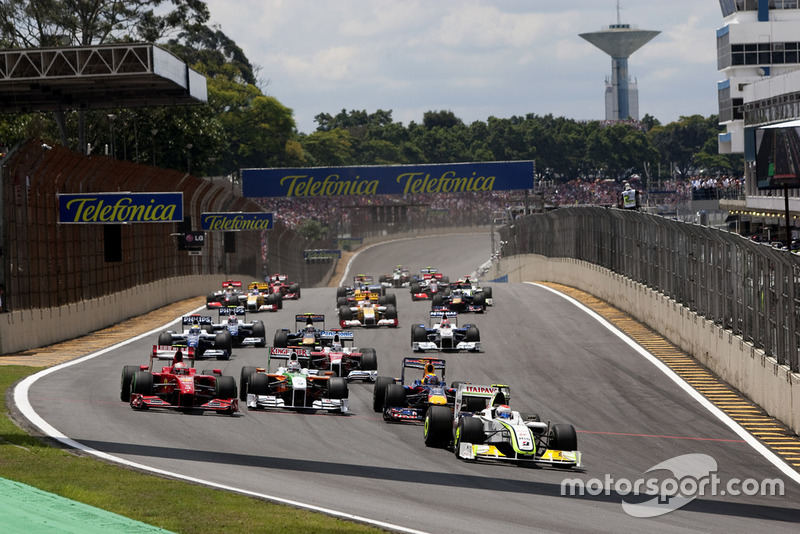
(476, 58)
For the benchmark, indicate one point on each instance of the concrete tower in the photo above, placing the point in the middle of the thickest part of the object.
(620, 41)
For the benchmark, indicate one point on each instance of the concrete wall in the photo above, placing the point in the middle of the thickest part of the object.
(27, 329)
(759, 377)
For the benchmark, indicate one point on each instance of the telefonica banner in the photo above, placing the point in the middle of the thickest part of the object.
(119, 208)
(233, 221)
(387, 180)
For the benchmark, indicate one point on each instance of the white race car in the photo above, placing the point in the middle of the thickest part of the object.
(483, 426)
(443, 334)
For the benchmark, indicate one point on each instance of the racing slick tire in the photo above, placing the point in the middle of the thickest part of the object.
(211, 297)
(480, 300)
(260, 331)
(415, 288)
(385, 300)
(224, 342)
(438, 426)
(142, 383)
(271, 300)
(473, 334)
(165, 338)
(279, 300)
(341, 301)
(125, 383)
(244, 380)
(337, 388)
(487, 293)
(395, 396)
(258, 384)
(445, 280)
(563, 438)
(225, 387)
(369, 359)
(295, 288)
(281, 339)
(345, 313)
(418, 333)
(341, 291)
(437, 300)
(469, 430)
(391, 312)
(379, 392)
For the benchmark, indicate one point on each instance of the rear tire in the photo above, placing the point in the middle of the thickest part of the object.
(165, 338)
(260, 331)
(395, 396)
(379, 392)
(437, 300)
(224, 342)
(281, 339)
(438, 426)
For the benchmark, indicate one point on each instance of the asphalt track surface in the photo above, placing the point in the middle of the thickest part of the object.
(560, 363)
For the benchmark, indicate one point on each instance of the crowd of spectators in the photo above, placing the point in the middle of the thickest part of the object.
(468, 209)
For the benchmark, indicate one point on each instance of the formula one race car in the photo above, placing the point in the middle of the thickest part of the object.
(363, 288)
(234, 321)
(200, 337)
(401, 277)
(308, 336)
(366, 313)
(459, 299)
(429, 283)
(259, 297)
(177, 385)
(293, 386)
(231, 295)
(483, 426)
(281, 285)
(471, 286)
(444, 334)
(410, 402)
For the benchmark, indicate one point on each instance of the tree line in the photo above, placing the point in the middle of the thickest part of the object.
(243, 127)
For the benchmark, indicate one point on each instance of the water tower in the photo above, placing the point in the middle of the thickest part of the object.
(619, 41)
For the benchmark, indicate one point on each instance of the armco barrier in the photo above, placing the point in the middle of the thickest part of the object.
(759, 377)
(26, 329)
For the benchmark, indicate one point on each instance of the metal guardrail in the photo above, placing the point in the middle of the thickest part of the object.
(749, 288)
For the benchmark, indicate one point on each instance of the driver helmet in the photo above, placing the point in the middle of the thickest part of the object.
(504, 411)
(431, 380)
(179, 368)
(294, 366)
(232, 318)
(445, 323)
(194, 329)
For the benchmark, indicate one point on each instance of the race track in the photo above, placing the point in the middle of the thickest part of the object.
(559, 362)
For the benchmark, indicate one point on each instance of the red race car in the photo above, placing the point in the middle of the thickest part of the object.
(280, 284)
(178, 385)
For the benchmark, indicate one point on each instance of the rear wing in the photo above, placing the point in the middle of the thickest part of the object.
(439, 312)
(239, 311)
(343, 335)
(306, 317)
(301, 354)
(261, 286)
(188, 320)
(490, 393)
(232, 283)
(168, 352)
(437, 364)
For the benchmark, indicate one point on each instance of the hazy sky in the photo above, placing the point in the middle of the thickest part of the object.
(476, 58)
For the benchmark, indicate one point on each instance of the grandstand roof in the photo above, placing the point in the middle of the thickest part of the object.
(96, 77)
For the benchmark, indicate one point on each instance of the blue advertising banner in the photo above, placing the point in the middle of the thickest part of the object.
(119, 208)
(235, 221)
(387, 180)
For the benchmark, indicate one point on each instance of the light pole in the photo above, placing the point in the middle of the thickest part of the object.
(111, 119)
(154, 131)
(188, 158)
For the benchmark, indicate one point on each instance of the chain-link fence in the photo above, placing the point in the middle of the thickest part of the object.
(746, 287)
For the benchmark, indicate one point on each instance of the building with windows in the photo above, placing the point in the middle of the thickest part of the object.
(758, 51)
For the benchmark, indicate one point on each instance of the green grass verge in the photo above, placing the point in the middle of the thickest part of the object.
(165, 503)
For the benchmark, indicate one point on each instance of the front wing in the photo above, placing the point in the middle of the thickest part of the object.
(470, 346)
(262, 402)
(143, 402)
(471, 451)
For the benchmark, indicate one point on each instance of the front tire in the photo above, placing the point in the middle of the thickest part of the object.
(337, 388)
(395, 396)
(244, 381)
(225, 387)
(438, 426)
(469, 430)
(125, 383)
(379, 392)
